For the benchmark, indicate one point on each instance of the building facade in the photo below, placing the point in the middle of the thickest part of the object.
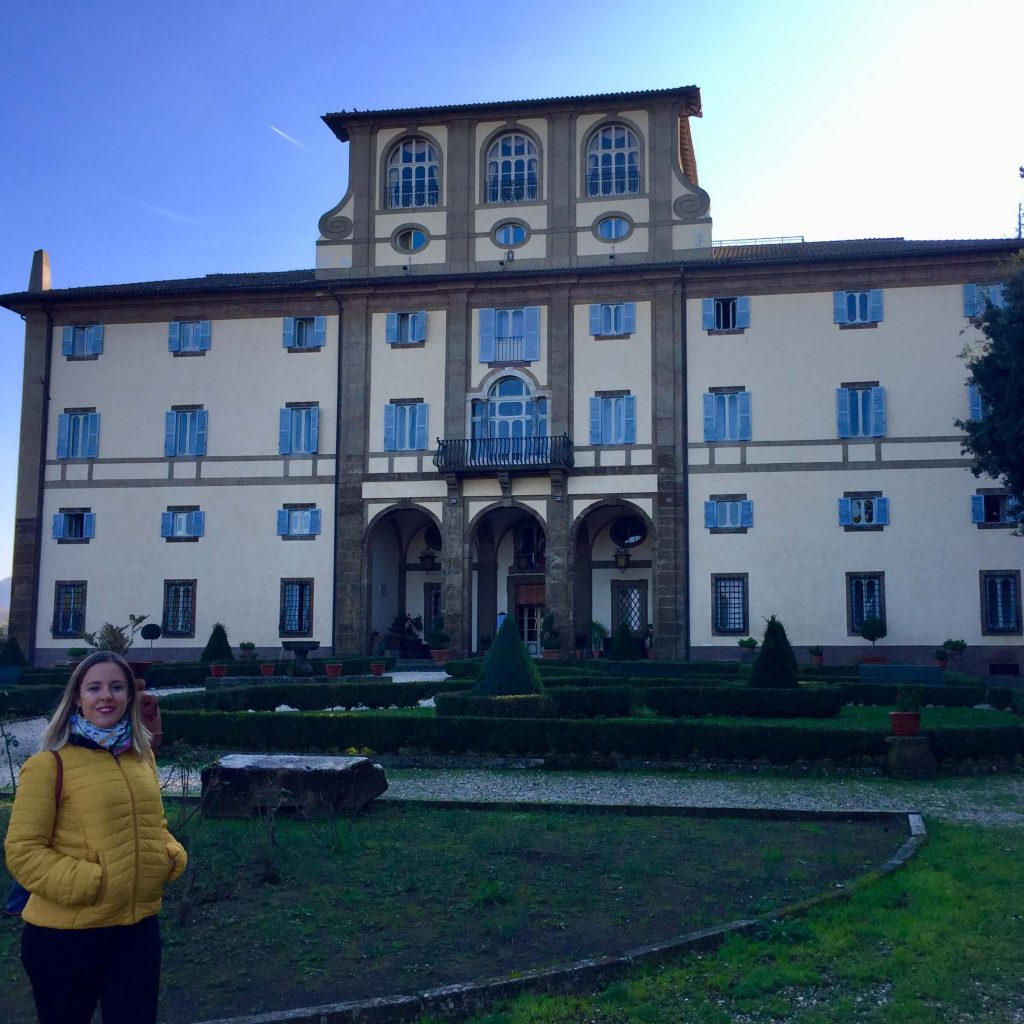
(521, 377)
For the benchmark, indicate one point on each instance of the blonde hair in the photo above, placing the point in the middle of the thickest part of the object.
(58, 729)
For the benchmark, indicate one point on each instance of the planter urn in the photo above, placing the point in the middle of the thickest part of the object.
(218, 671)
(905, 723)
(440, 655)
(334, 669)
(267, 668)
(377, 668)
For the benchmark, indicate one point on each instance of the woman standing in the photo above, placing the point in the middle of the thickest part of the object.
(96, 861)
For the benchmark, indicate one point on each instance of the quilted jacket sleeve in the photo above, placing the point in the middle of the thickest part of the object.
(175, 851)
(56, 877)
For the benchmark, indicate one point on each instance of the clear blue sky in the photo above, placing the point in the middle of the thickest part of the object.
(146, 141)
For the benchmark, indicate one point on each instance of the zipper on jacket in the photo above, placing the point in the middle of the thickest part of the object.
(135, 830)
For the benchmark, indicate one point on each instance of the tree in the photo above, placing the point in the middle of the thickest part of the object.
(624, 647)
(508, 668)
(776, 663)
(996, 440)
(217, 647)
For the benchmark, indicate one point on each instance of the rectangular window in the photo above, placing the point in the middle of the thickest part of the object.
(296, 608)
(613, 419)
(510, 335)
(82, 342)
(405, 426)
(179, 617)
(728, 513)
(78, 434)
(302, 333)
(612, 319)
(865, 599)
(298, 521)
(189, 337)
(299, 429)
(629, 605)
(1000, 602)
(730, 313)
(863, 511)
(727, 415)
(182, 523)
(185, 431)
(406, 328)
(729, 605)
(860, 410)
(978, 297)
(994, 508)
(68, 608)
(74, 525)
(857, 307)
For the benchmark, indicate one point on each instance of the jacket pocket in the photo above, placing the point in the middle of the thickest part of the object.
(97, 858)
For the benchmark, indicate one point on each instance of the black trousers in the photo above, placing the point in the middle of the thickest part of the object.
(72, 970)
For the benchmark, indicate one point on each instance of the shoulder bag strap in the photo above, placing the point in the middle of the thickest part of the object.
(58, 786)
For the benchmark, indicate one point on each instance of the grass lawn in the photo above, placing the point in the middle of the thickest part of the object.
(289, 913)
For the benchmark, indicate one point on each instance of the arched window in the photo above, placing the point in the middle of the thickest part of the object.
(613, 162)
(512, 169)
(413, 175)
(510, 425)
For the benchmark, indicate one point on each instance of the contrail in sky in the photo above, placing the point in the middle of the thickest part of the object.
(287, 138)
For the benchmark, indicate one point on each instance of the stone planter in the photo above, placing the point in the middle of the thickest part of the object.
(267, 668)
(905, 723)
(333, 669)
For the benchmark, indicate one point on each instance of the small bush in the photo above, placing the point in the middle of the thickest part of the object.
(624, 645)
(775, 666)
(217, 647)
(11, 655)
(508, 668)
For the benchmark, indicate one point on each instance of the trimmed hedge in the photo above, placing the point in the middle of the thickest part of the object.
(30, 700)
(884, 695)
(744, 702)
(561, 702)
(513, 705)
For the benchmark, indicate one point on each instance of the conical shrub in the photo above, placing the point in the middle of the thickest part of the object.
(624, 647)
(217, 647)
(508, 668)
(11, 655)
(776, 664)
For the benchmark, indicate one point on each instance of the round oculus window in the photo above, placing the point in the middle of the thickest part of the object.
(410, 240)
(509, 234)
(612, 228)
(628, 532)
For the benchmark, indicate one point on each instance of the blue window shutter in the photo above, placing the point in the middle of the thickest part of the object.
(595, 420)
(846, 512)
(629, 417)
(881, 511)
(174, 336)
(284, 433)
(63, 429)
(89, 525)
(170, 429)
(743, 311)
(970, 300)
(746, 513)
(878, 412)
(745, 433)
(595, 319)
(203, 341)
(707, 314)
(94, 340)
(389, 427)
(314, 521)
(319, 331)
(531, 334)
(486, 335)
(629, 318)
(974, 402)
(875, 305)
(842, 411)
(67, 345)
(977, 508)
(92, 440)
(709, 417)
(166, 524)
(58, 525)
(314, 428)
(288, 332)
(422, 412)
(198, 523)
(202, 422)
(710, 514)
(391, 328)
(839, 307)
(282, 522)
(418, 328)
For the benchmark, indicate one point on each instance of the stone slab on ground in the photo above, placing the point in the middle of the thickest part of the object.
(237, 785)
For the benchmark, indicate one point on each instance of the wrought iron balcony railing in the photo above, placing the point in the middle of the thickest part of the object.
(489, 454)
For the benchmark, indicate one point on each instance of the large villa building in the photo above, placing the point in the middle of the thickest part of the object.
(523, 376)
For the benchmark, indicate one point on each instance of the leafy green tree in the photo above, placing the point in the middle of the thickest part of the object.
(996, 441)
(217, 647)
(508, 668)
(776, 664)
(624, 647)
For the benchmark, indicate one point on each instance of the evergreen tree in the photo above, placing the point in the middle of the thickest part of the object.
(776, 664)
(624, 647)
(217, 647)
(11, 655)
(508, 668)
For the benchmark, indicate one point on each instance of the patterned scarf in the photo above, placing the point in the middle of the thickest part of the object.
(117, 740)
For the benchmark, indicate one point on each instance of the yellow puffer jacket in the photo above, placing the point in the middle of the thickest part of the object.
(107, 861)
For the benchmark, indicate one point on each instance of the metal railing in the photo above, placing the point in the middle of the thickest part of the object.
(480, 454)
(509, 349)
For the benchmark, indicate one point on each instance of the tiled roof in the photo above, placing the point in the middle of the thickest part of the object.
(852, 248)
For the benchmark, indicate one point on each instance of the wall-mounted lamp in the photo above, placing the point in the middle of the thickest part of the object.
(621, 559)
(429, 562)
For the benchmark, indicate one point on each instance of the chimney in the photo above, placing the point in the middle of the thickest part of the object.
(39, 279)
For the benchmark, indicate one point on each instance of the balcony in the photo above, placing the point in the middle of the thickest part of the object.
(482, 455)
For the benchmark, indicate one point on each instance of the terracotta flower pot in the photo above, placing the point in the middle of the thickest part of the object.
(872, 659)
(905, 723)
(334, 669)
(218, 671)
(267, 668)
(817, 660)
(440, 655)
(377, 668)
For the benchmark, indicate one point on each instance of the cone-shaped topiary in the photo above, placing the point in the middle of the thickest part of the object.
(624, 647)
(776, 664)
(508, 668)
(11, 655)
(217, 647)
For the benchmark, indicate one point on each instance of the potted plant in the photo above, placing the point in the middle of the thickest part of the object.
(817, 655)
(955, 649)
(437, 640)
(333, 668)
(748, 645)
(941, 657)
(549, 636)
(906, 719)
(219, 669)
(872, 629)
(579, 644)
(377, 668)
(75, 655)
(247, 651)
(598, 631)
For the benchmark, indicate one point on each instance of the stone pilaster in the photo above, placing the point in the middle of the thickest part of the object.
(561, 177)
(559, 563)
(456, 568)
(664, 139)
(460, 168)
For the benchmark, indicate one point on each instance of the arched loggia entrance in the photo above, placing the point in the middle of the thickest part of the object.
(509, 566)
(403, 577)
(613, 546)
